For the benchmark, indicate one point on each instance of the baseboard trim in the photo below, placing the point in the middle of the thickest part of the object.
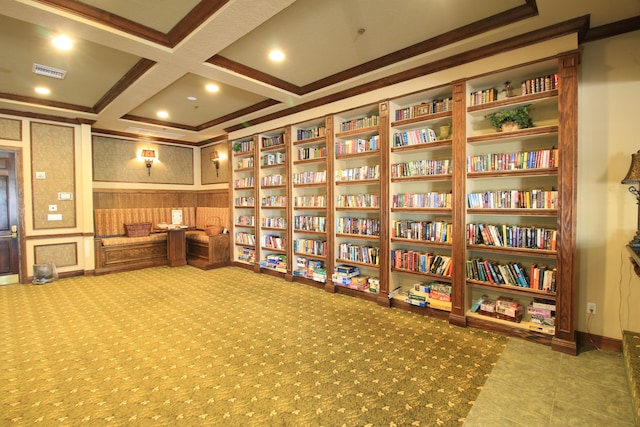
(589, 341)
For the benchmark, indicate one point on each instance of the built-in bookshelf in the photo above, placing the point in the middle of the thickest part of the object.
(514, 220)
(359, 188)
(448, 216)
(420, 198)
(310, 178)
(243, 185)
(274, 172)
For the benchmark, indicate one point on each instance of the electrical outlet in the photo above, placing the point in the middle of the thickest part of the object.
(591, 308)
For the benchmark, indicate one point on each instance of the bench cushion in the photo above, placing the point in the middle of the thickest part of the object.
(113, 241)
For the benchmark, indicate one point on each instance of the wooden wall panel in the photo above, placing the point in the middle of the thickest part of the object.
(119, 199)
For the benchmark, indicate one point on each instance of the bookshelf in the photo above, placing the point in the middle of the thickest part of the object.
(273, 195)
(515, 219)
(423, 178)
(359, 181)
(310, 224)
(243, 197)
(420, 190)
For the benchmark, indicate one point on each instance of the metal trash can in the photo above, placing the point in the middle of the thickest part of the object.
(44, 273)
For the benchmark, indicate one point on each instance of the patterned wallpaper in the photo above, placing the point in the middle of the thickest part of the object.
(52, 155)
(209, 175)
(11, 129)
(116, 160)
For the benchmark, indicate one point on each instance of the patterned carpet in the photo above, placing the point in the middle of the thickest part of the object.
(182, 346)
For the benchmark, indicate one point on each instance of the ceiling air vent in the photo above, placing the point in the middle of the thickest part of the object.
(43, 70)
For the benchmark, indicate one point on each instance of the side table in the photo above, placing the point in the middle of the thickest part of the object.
(176, 247)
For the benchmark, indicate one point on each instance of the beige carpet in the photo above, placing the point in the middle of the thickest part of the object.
(181, 346)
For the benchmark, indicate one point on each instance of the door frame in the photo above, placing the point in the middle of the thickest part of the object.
(17, 153)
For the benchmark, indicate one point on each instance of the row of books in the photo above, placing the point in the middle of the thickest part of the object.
(245, 162)
(245, 146)
(421, 168)
(510, 273)
(275, 262)
(271, 180)
(243, 238)
(270, 141)
(311, 269)
(246, 182)
(309, 177)
(361, 226)
(514, 199)
(430, 231)
(358, 173)
(360, 123)
(431, 107)
(543, 278)
(363, 254)
(270, 159)
(274, 201)
(310, 223)
(245, 220)
(359, 145)
(427, 200)
(512, 236)
(274, 222)
(421, 262)
(414, 137)
(273, 241)
(308, 153)
(317, 132)
(310, 247)
(513, 161)
(309, 201)
(368, 200)
(246, 255)
(245, 201)
(540, 84)
(483, 96)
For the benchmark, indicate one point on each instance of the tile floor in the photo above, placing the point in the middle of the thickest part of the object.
(532, 385)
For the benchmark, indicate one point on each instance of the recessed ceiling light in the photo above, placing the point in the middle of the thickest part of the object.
(62, 42)
(276, 55)
(191, 98)
(42, 90)
(162, 114)
(212, 87)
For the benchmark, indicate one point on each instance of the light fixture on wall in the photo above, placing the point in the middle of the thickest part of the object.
(149, 156)
(633, 177)
(216, 160)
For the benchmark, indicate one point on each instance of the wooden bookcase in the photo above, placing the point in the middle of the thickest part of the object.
(359, 154)
(274, 198)
(243, 199)
(331, 177)
(310, 224)
(420, 187)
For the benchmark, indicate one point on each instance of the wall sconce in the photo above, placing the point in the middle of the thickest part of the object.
(216, 160)
(633, 177)
(149, 155)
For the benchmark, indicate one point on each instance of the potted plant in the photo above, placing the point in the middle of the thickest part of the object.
(510, 120)
(237, 146)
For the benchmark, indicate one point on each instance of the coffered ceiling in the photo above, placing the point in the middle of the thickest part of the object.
(133, 58)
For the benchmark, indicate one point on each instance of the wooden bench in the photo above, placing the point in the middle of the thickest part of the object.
(114, 251)
(205, 251)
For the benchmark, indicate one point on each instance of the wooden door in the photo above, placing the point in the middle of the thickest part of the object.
(9, 242)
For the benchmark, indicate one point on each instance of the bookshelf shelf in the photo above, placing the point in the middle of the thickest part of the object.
(311, 256)
(521, 134)
(274, 166)
(513, 173)
(428, 146)
(439, 211)
(356, 263)
(443, 177)
(421, 242)
(357, 236)
(366, 131)
(359, 181)
(511, 289)
(318, 233)
(431, 276)
(402, 124)
(372, 153)
(316, 140)
(310, 161)
(518, 212)
(515, 101)
(537, 253)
